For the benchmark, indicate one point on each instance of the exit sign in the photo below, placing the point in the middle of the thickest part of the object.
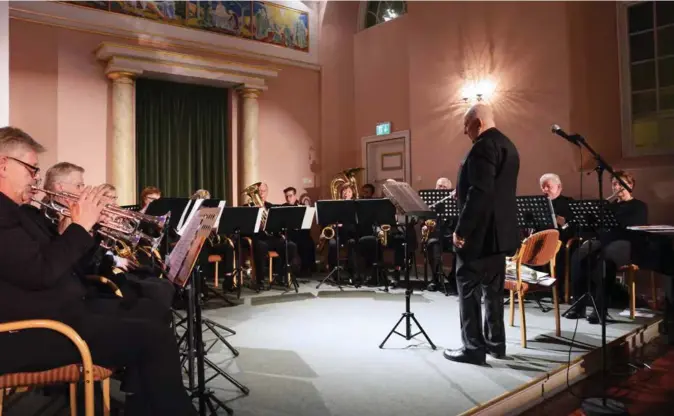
(383, 128)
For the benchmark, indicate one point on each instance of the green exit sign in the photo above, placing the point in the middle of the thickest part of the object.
(383, 128)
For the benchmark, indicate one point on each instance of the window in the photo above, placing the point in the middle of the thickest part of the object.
(648, 77)
(382, 11)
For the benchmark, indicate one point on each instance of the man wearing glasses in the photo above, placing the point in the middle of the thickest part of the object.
(38, 280)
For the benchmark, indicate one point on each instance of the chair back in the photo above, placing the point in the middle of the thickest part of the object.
(539, 249)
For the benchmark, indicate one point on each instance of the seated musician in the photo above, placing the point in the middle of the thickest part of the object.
(68, 177)
(147, 196)
(367, 191)
(263, 242)
(38, 280)
(628, 211)
(347, 238)
(302, 238)
(439, 241)
(551, 186)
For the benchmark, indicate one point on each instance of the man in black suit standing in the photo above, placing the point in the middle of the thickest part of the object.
(486, 232)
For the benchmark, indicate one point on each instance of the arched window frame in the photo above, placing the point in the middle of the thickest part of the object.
(366, 12)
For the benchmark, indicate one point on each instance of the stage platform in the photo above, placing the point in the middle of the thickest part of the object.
(317, 353)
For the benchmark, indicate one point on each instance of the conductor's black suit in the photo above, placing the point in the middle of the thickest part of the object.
(38, 281)
(486, 190)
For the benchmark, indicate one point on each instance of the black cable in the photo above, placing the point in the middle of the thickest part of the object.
(575, 330)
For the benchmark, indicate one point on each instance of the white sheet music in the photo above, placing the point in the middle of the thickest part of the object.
(258, 221)
(529, 275)
(182, 224)
(221, 205)
(308, 218)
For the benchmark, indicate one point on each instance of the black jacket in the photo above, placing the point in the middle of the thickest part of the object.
(486, 190)
(37, 277)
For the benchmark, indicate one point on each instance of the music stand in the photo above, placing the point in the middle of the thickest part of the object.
(376, 213)
(182, 273)
(409, 204)
(587, 215)
(535, 212)
(337, 214)
(236, 221)
(283, 219)
(446, 207)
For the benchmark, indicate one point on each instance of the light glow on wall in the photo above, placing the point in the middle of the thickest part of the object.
(474, 91)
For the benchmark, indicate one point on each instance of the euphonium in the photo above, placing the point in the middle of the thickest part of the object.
(346, 177)
(426, 230)
(253, 192)
(382, 235)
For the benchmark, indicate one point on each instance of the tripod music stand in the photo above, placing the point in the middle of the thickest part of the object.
(374, 213)
(337, 214)
(182, 273)
(409, 204)
(234, 222)
(586, 215)
(284, 219)
(447, 211)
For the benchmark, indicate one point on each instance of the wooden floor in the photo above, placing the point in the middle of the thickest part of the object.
(645, 392)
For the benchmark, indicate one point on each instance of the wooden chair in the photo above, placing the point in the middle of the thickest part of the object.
(630, 271)
(71, 374)
(539, 249)
(215, 258)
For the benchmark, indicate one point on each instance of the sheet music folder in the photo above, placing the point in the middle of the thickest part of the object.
(289, 218)
(183, 257)
(406, 200)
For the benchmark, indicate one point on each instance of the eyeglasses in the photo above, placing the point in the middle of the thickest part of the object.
(33, 170)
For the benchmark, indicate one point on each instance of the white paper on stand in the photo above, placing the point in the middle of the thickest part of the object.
(182, 226)
(529, 275)
(221, 205)
(308, 218)
(258, 221)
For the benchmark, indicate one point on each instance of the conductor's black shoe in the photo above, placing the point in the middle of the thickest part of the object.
(576, 313)
(593, 318)
(464, 356)
(498, 354)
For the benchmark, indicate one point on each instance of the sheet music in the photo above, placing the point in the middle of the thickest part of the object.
(192, 212)
(529, 275)
(308, 218)
(221, 205)
(554, 216)
(258, 221)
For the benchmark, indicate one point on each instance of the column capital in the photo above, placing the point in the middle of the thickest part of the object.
(249, 92)
(121, 76)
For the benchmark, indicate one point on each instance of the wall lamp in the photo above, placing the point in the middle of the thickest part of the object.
(477, 91)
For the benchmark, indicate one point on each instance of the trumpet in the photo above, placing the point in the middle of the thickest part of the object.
(327, 233)
(613, 196)
(124, 221)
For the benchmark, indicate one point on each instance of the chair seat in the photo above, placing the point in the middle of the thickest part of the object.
(67, 374)
(272, 254)
(214, 258)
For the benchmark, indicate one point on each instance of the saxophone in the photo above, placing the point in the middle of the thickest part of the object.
(382, 235)
(427, 229)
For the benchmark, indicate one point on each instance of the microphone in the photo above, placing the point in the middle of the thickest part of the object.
(561, 133)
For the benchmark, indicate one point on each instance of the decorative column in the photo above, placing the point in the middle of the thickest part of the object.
(4, 63)
(248, 144)
(123, 137)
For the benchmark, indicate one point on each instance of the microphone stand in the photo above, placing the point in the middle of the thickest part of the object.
(599, 406)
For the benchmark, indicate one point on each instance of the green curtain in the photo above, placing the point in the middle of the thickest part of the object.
(181, 138)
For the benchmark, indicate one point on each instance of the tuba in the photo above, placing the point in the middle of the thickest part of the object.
(253, 193)
(345, 177)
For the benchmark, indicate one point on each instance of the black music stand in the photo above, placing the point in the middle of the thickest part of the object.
(535, 212)
(587, 215)
(281, 220)
(443, 203)
(337, 214)
(374, 213)
(409, 204)
(236, 221)
(183, 274)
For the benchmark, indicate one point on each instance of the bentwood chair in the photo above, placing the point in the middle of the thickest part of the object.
(71, 374)
(539, 249)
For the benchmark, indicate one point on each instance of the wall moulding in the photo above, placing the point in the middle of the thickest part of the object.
(163, 35)
(140, 61)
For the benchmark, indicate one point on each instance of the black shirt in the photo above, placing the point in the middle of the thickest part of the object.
(630, 213)
(561, 207)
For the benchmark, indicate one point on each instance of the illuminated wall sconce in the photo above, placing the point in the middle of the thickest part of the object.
(478, 91)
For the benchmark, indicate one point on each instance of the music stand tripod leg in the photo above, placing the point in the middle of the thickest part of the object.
(337, 268)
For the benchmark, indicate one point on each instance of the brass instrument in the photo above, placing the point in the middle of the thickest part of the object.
(614, 196)
(345, 177)
(382, 235)
(427, 229)
(253, 192)
(327, 233)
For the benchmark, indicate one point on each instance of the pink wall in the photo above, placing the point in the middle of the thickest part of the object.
(552, 62)
(59, 94)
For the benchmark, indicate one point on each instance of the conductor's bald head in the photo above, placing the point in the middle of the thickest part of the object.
(478, 118)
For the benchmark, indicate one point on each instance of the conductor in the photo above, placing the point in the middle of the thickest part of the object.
(485, 233)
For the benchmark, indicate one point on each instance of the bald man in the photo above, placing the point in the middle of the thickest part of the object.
(485, 233)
